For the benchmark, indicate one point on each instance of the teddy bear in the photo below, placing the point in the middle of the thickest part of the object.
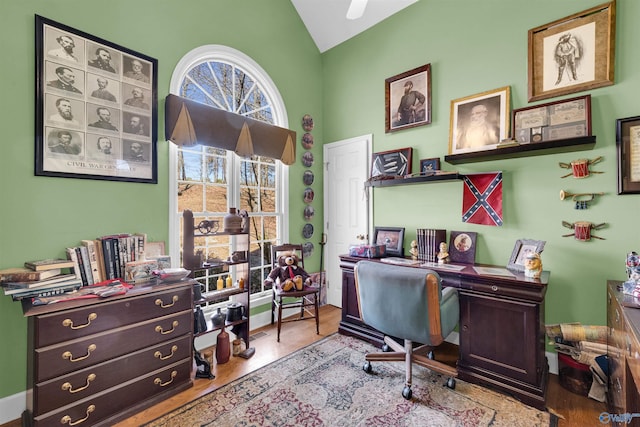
(288, 273)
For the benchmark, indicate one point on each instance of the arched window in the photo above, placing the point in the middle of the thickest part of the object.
(209, 181)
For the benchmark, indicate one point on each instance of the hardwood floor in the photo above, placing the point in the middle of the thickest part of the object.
(572, 409)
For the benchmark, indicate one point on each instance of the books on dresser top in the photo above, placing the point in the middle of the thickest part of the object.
(48, 264)
(21, 274)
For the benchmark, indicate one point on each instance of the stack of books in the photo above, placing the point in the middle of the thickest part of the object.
(42, 278)
(429, 240)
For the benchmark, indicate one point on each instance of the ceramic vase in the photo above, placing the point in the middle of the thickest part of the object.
(223, 349)
(217, 319)
(232, 222)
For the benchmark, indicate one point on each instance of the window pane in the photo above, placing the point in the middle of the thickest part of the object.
(268, 201)
(216, 169)
(190, 197)
(216, 198)
(249, 199)
(270, 228)
(268, 175)
(190, 166)
(249, 173)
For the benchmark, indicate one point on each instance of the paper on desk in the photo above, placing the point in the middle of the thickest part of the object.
(452, 267)
(493, 271)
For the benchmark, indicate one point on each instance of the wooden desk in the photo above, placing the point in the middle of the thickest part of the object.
(502, 334)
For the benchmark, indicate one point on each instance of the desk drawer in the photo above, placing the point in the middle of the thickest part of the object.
(78, 385)
(76, 323)
(100, 406)
(70, 356)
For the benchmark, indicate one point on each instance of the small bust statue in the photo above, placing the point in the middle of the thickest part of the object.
(443, 254)
(533, 265)
(414, 249)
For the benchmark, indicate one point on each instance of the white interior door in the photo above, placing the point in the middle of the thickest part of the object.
(346, 204)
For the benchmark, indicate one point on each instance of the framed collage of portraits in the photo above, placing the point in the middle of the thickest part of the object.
(96, 107)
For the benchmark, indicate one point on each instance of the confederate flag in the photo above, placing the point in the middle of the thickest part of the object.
(482, 198)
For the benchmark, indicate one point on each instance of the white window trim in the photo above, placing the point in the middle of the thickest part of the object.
(280, 117)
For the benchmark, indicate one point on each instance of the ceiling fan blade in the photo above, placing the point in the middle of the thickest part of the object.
(356, 9)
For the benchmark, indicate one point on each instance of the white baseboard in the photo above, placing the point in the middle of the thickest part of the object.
(12, 407)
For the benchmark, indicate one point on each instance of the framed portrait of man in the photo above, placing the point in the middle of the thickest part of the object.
(96, 107)
(408, 99)
(479, 122)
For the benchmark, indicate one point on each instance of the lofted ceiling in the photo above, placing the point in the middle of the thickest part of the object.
(327, 23)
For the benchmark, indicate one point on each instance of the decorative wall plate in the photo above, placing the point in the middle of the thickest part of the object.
(307, 249)
(307, 231)
(307, 122)
(307, 159)
(307, 141)
(308, 195)
(309, 212)
(307, 177)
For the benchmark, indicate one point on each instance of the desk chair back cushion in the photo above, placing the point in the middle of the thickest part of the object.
(395, 300)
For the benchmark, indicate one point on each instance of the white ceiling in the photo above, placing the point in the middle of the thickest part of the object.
(327, 23)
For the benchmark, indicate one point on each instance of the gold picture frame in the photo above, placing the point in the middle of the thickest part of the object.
(479, 122)
(572, 54)
(411, 90)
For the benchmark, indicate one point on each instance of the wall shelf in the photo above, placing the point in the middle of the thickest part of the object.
(450, 176)
(525, 150)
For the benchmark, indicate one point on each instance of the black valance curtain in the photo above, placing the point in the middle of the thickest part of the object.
(188, 122)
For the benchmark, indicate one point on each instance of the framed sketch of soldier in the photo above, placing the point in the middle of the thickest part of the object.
(572, 54)
(96, 107)
(408, 99)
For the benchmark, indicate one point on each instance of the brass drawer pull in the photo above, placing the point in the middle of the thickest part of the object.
(68, 355)
(68, 387)
(162, 305)
(159, 382)
(168, 356)
(68, 323)
(67, 419)
(163, 332)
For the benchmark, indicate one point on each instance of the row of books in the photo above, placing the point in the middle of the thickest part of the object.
(42, 278)
(92, 262)
(105, 258)
(429, 240)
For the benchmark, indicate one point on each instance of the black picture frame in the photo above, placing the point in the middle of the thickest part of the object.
(628, 147)
(429, 165)
(462, 247)
(392, 237)
(392, 163)
(521, 248)
(96, 107)
(394, 90)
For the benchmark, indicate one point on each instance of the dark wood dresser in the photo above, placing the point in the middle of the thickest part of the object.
(96, 361)
(502, 333)
(623, 349)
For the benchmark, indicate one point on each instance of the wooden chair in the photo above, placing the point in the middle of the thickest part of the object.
(306, 300)
(409, 304)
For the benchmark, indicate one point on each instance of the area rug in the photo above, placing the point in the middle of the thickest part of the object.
(324, 385)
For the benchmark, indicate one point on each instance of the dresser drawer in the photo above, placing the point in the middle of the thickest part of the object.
(93, 409)
(71, 324)
(70, 356)
(78, 385)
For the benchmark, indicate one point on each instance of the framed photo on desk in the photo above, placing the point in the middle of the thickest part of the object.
(392, 237)
(462, 246)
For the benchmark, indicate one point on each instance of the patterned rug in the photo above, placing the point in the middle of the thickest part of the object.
(324, 385)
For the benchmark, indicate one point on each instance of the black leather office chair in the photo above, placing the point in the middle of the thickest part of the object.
(306, 299)
(409, 304)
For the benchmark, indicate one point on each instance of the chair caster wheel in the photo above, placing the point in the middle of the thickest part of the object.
(406, 392)
(386, 348)
(367, 367)
(451, 383)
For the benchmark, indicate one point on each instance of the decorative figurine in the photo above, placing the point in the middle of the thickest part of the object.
(414, 250)
(580, 168)
(443, 255)
(582, 230)
(533, 265)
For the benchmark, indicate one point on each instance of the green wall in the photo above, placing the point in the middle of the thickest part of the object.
(41, 216)
(474, 46)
